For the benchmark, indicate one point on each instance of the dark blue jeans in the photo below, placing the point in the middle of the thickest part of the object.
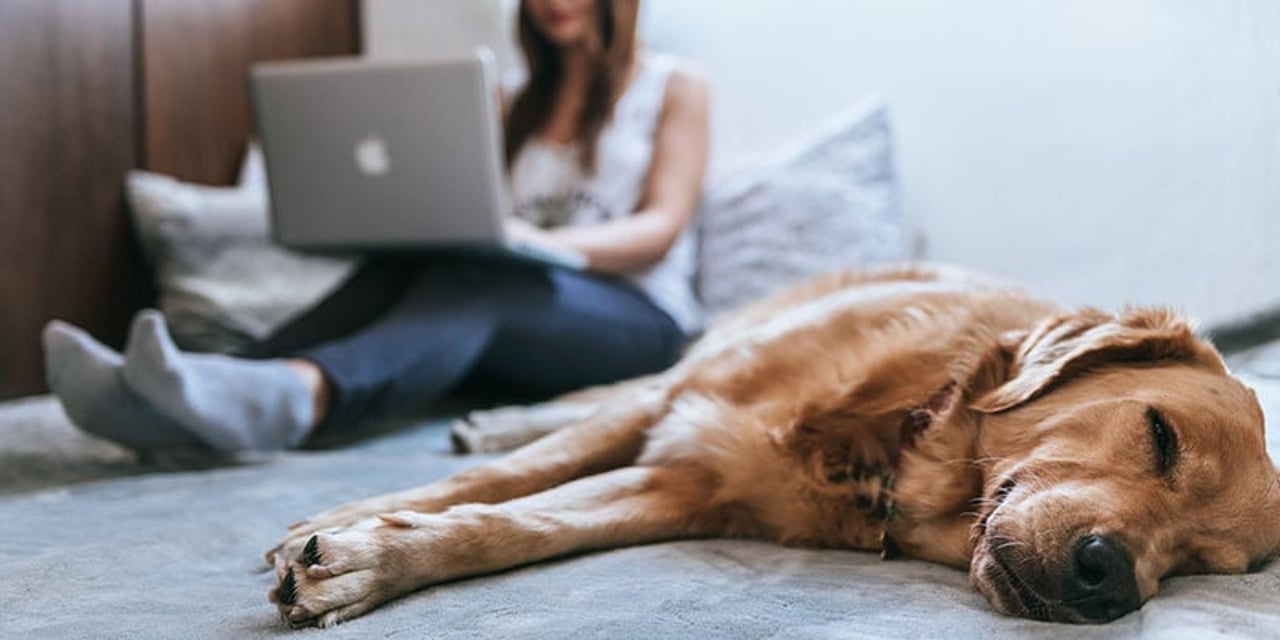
(404, 330)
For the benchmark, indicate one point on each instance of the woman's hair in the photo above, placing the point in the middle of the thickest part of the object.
(611, 48)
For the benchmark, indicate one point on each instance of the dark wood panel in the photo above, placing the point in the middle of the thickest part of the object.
(195, 57)
(76, 115)
(67, 122)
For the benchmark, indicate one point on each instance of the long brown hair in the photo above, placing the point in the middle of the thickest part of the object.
(612, 50)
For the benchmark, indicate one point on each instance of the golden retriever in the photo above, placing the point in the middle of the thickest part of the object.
(1068, 460)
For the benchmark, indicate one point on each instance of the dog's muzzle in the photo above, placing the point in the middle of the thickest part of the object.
(1096, 583)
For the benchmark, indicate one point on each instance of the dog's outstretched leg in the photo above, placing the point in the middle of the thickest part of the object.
(339, 575)
(611, 438)
(507, 428)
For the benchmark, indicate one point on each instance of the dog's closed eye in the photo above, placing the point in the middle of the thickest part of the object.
(1165, 441)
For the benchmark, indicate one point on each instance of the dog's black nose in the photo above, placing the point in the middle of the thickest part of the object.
(1101, 584)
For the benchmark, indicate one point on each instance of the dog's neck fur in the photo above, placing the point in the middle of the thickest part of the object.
(907, 479)
(937, 486)
(940, 476)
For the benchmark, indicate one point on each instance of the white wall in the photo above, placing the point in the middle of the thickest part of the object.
(407, 28)
(1103, 151)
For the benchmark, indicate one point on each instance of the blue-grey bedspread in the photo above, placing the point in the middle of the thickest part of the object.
(94, 544)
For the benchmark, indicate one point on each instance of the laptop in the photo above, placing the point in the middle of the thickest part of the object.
(374, 155)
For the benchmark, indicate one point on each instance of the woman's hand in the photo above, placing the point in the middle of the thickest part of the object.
(521, 232)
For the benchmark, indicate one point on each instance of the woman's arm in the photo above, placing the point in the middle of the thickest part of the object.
(672, 190)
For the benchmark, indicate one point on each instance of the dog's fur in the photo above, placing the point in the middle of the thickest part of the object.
(1068, 461)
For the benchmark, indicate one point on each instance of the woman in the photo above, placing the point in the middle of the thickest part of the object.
(606, 148)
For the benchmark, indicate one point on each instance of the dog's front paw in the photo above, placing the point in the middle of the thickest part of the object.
(300, 532)
(329, 521)
(338, 575)
(290, 546)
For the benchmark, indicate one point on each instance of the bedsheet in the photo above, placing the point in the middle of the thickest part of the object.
(94, 543)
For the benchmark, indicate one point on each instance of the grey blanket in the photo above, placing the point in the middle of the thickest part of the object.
(94, 544)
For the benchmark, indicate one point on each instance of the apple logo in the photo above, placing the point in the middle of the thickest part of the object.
(372, 157)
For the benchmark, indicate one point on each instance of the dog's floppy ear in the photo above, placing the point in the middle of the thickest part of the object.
(1065, 345)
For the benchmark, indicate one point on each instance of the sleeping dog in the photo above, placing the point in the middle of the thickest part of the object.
(1067, 460)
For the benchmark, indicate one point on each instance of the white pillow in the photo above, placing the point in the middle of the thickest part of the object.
(827, 202)
(223, 283)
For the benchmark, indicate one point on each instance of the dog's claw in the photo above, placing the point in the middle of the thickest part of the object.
(311, 552)
(288, 591)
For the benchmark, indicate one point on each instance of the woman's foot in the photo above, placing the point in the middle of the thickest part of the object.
(86, 376)
(232, 403)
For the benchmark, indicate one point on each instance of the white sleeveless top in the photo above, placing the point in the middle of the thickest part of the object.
(549, 189)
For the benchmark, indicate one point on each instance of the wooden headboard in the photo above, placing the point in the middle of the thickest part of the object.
(89, 90)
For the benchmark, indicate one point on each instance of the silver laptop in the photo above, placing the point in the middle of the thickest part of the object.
(387, 155)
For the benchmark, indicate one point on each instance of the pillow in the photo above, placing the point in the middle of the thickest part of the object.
(827, 202)
(223, 283)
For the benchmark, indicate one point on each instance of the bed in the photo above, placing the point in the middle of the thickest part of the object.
(95, 543)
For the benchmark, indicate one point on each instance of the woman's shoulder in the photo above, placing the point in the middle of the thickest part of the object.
(676, 67)
(686, 83)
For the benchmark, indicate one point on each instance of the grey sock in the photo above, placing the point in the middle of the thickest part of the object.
(86, 376)
(233, 403)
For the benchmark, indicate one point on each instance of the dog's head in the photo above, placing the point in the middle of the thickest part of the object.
(1120, 451)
